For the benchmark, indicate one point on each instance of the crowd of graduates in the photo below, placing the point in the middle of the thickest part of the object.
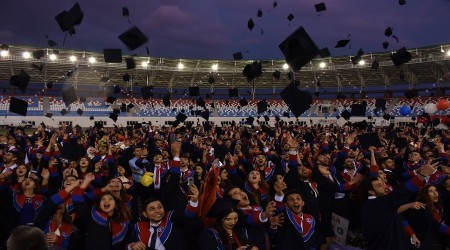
(237, 187)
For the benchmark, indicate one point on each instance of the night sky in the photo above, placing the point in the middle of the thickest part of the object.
(212, 29)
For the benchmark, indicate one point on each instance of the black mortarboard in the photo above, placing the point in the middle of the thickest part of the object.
(370, 139)
(243, 102)
(166, 100)
(266, 118)
(79, 111)
(375, 64)
(387, 117)
(112, 55)
(233, 92)
(250, 120)
(147, 92)
(20, 81)
(64, 111)
(388, 31)
(385, 45)
(253, 70)
(411, 93)
(68, 19)
(49, 115)
(91, 118)
(286, 114)
(18, 106)
(262, 106)
(111, 99)
(401, 2)
(205, 114)
(117, 89)
(290, 17)
(277, 118)
(325, 52)
(320, 7)
(380, 103)
(198, 112)
(401, 56)
(38, 54)
(113, 116)
(298, 49)
(259, 13)
(133, 38)
(51, 43)
(207, 126)
(346, 115)
(181, 117)
(125, 11)
(130, 106)
(200, 102)
(211, 79)
(358, 110)
(131, 64)
(116, 111)
(250, 24)
(297, 101)
(342, 43)
(194, 91)
(69, 96)
(237, 56)
(49, 85)
(276, 74)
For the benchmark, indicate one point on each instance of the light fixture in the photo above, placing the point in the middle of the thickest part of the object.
(4, 50)
(448, 52)
(285, 66)
(144, 64)
(72, 58)
(26, 55)
(92, 60)
(361, 62)
(214, 67)
(180, 65)
(322, 65)
(52, 57)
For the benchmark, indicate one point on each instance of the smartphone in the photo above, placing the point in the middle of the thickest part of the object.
(441, 161)
(190, 181)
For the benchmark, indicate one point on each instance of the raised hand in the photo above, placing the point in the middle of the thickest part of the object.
(276, 220)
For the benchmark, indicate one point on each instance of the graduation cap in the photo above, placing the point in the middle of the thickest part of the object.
(385, 44)
(200, 102)
(131, 64)
(112, 55)
(194, 91)
(166, 101)
(325, 52)
(369, 139)
(400, 57)
(125, 11)
(262, 106)
(250, 24)
(375, 64)
(133, 38)
(197, 112)
(298, 49)
(113, 116)
(250, 120)
(411, 93)
(181, 117)
(342, 43)
(69, 96)
(79, 111)
(286, 114)
(211, 79)
(51, 43)
(320, 7)
(117, 89)
(358, 110)
(251, 71)
(146, 92)
(233, 92)
(49, 115)
(401, 2)
(388, 31)
(237, 56)
(290, 17)
(297, 101)
(276, 74)
(111, 99)
(380, 103)
(259, 13)
(346, 115)
(387, 117)
(68, 19)
(18, 106)
(20, 81)
(130, 106)
(64, 111)
(243, 102)
(116, 110)
(38, 54)
(205, 114)
(266, 118)
(207, 126)
(49, 85)
(91, 118)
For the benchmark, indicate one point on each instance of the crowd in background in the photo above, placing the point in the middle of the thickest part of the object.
(237, 187)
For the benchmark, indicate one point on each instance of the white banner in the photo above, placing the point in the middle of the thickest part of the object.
(340, 228)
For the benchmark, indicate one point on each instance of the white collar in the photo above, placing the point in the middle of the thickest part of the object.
(371, 197)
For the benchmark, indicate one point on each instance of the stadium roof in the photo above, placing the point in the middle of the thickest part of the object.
(428, 64)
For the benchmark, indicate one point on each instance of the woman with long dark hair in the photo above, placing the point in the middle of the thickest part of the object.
(226, 233)
(428, 228)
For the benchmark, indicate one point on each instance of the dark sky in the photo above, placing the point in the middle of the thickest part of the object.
(215, 29)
